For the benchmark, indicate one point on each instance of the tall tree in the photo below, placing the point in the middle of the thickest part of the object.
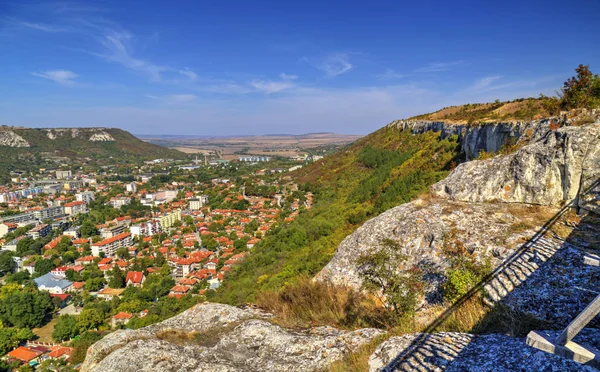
(117, 279)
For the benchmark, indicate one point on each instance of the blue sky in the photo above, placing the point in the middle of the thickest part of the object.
(264, 67)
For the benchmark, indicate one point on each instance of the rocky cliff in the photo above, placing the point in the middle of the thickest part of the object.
(492, 136)
(215, 337)
(549, 171)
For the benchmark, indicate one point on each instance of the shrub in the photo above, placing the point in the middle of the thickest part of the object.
(398, 290)
(459, 282)
(582, 90)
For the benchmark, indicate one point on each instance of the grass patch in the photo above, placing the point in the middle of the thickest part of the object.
(45, 333)
(308, 303)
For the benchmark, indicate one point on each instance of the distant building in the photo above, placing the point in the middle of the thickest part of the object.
(121, 318)
(109, 232)
(146, 228)
(165, 196)
(53, 284)
(5, 228)
(85, 196)
(63, 174)
(118, 202)
(135, 278)
(168, 219)
(131, 187)
(75, 208)
(39, 231)
(51, 212)
(254, 159)
(195, 204)
(109, 246)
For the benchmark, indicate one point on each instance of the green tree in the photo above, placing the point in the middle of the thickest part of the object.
(7, 264)
(73, 275)
(89, 319)
(23, 245)
(582, 90)
(123, 252)
(117, 279)
(65, 329)
(380, 272)
(25, 309)
(8, 341)
(43, 266)
(94, 284)
(81, 346)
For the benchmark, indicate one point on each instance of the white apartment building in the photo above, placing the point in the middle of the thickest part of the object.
(109, 246)
(85, 196)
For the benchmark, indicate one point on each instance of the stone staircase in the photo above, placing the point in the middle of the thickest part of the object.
(513, 273)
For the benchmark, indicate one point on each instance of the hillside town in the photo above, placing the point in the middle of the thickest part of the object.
(96, 252)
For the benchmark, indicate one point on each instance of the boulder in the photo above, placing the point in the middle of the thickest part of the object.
(216, 337)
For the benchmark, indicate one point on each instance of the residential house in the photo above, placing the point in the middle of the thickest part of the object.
(53, 284)
(121, 318)
(109, 293)
(25, 354)
(135, 278)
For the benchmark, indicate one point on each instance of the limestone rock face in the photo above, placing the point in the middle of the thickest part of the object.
(101, 136)
(11, 139)
(215, 337)
(489, 137)
(421, 228)
(548, 171)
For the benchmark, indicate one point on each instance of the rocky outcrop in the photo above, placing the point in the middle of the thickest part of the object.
(450, 351)
(489, 137)
(423, 226)
(548, 171)
(492, 136)
(101, 137)
(11, 139)
(216, 337)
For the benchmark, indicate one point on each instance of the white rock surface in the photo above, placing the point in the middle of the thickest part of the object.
(11, 139)
(231, 339)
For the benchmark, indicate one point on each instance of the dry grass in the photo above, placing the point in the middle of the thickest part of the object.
(359, 360)
(206, 339)
(583, 120)
(307, 303)
(45, 333)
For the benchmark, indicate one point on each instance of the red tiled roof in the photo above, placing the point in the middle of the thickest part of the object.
(134, 277)
(85, 259)
(24, 354)
(58, 351)
(113, 239)
(72, 204)
(123, 315)
(180, 289)
(62, 297)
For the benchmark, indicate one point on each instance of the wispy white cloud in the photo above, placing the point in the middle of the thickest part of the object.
(440, 66)
(187, 72)
(63, 77)
(116, 47)
(174, 98)
(390, 74)
(332, 65)
(483, 83)
(270, 86)
(33, 25)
